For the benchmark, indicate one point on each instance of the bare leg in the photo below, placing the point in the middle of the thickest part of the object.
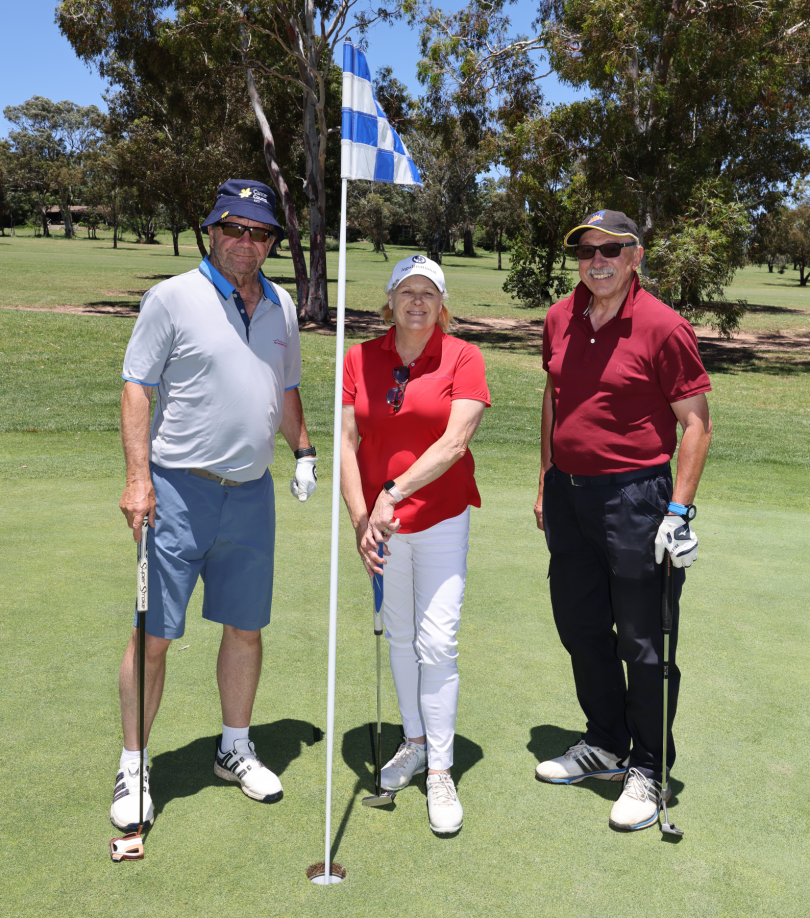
(128, 686)
(239, 666)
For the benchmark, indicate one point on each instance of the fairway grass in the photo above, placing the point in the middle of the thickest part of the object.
(526, 849)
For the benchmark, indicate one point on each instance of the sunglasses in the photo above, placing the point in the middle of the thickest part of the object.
(396, 396)
(236, 231)
(608, 249)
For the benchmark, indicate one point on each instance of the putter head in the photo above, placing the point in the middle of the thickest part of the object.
(667, 827)
(127, 847)
(382, 799)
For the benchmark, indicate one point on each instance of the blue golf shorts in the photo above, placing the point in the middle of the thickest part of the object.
(223, 534)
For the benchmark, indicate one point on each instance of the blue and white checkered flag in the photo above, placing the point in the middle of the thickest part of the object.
(369, 148)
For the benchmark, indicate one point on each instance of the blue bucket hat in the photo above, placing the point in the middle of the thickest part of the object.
(248, 199)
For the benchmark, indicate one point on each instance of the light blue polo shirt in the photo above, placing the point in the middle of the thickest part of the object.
(220, 383)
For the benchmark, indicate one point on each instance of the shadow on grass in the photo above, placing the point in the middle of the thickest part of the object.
(359, 753)
(186, 771)
(774, 310)
(720, 356)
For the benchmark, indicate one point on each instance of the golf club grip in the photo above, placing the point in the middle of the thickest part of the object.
(667, 595)
(378, 596)
(142, 594)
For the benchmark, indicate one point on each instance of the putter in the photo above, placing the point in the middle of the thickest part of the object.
(667, 603)
(381, 798)
(130, 847)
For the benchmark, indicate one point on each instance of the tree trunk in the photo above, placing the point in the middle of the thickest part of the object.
(317, 307)
(176, 239)
(195, 225)
(382, 249)
(67, 218)
(802, 278)
(45, 222)
(293, 234)
(469, 250)
(500, 235)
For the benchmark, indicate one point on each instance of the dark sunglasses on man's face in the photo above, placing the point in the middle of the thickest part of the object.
(396, 396)
(236, 231)
(608, 249)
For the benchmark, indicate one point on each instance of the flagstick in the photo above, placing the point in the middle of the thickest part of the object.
(333, 573)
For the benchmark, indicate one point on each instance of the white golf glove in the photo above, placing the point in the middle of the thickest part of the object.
(306, 478)
(676, 536)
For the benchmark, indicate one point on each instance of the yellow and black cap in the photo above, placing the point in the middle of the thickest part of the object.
(612, 222)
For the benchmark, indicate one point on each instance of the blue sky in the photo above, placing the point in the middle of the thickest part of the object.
(48, 67)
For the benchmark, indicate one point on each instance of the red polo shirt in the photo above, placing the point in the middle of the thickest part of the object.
(613, 387)
(390, 442)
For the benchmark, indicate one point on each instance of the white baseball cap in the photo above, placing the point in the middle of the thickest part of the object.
(417, 264)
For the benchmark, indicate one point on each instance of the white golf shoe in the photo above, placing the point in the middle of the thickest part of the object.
(242, 764)
(582, 761)
(126, 806)
(639, 803)
(444, 808)
(408, 761)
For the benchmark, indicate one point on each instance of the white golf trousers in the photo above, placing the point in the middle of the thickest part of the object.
(423, 589)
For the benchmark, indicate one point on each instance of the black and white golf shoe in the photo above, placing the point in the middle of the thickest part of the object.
(639, 803)
(126, 806)
(242, 764)
(582, 761)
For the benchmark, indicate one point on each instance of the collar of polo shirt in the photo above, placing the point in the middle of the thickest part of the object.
(226, 288)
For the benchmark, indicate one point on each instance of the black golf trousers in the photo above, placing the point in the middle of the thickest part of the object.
(606, 599)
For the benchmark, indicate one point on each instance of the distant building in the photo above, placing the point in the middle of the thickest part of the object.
(55, 218)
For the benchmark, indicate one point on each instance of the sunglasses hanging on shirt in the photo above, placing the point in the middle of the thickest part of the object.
(396, 396)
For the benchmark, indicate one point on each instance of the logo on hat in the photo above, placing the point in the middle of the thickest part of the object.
(597, 217)
(259, 197)
(418, 260)
(244, 193)
(224, 214)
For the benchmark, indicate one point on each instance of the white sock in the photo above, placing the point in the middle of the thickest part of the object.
(127, 755)
(230, 735)
(421, 746)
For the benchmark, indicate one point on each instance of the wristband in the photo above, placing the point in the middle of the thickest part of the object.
(680, 509)
(300, 453)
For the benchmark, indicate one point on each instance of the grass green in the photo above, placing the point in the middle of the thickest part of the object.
(66, 579)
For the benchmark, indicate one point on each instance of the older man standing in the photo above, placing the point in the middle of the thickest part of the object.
(221, 346)
(623, 371)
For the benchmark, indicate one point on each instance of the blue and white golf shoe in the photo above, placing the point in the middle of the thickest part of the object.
(582, 761)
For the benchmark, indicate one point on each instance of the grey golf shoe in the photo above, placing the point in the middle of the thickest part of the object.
(582, 761)
(126, 806)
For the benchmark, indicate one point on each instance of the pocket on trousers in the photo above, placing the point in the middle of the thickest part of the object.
(632, 518)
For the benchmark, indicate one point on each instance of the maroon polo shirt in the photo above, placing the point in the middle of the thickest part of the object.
(391, 441)
(613, 388)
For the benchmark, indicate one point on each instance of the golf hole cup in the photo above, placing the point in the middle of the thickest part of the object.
(317, 874)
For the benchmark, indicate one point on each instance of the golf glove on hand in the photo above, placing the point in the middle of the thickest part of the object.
(306, 478)
(676, 536)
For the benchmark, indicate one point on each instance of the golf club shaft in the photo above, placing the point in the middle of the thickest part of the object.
(142, 604)
(666, 627)
(379, 717)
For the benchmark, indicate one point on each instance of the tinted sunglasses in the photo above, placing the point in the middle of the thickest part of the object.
(608, 249)
(396, 396)
(236, 231)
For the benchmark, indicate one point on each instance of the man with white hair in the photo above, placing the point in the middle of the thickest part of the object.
(623, 371)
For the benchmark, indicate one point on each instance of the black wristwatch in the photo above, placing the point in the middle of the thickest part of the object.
(300, 453)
